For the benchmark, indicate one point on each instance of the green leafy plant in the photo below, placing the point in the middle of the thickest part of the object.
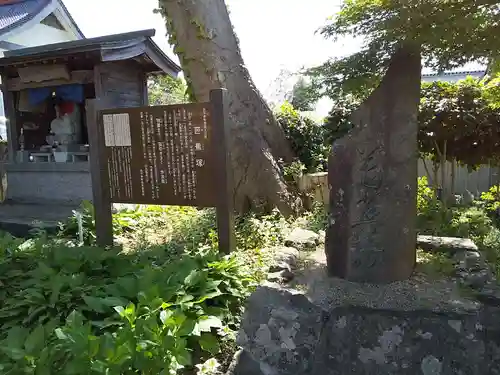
(104, 312)
(150, 307)
(307, 138)
(425, 195)
(491, 199)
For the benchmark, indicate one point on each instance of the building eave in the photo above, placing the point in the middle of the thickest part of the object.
(69, 20)
(35, 16)
(111, 48)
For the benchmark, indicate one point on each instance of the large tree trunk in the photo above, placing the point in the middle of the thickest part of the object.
(208, 49)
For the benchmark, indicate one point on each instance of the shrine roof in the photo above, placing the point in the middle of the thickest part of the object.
(125, 46)
(17, 13)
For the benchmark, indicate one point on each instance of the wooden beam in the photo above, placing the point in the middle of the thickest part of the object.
(76, 77)
(10, 114)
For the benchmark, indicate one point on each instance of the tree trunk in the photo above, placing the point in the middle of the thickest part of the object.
(435, 178)
(452, 182)
(204, 40)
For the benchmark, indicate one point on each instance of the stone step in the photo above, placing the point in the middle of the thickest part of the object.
(20, 218)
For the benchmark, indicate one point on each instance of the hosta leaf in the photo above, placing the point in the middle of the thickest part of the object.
(208, 296)
(95, 304)
(16, 337)
(112, 301)
(209, 343)
(184, 357)
(60, 334)
(35, 340)
(187, 327)
(14, 353)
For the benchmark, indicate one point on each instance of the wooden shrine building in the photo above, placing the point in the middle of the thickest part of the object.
(45, 92)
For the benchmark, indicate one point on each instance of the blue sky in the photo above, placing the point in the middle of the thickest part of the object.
(274, 34)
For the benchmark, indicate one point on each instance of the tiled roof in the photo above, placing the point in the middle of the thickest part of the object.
(17, 14)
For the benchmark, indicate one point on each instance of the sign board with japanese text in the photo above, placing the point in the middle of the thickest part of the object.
(160, 155)
(166, 155)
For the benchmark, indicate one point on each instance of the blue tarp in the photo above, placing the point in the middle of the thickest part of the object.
(70, 93)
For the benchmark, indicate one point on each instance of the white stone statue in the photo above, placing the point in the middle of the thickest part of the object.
(66, 128)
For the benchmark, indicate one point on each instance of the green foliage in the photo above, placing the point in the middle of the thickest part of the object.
(492, 91)
(477, 222)
(425, 195)
(89, 311)
(457, 121)
(303, 96)
(337, 122)
(293, 171)
(306, 137)
(164, 89)
(435, 264)
(460, 120)
(491, 199)
(160, 306)
(448, 33)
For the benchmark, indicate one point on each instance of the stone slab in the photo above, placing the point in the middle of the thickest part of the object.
(283, 333)
(446, 244)
(302, 239)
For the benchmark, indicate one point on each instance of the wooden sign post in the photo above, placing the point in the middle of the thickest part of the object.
(163, 155)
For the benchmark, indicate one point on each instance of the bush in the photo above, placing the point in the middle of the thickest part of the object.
(307, 138)
(434, 218)
(164, 302)
(425, 195)
(84, 310)
(477, 222)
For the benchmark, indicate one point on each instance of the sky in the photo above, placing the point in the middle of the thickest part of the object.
(275, 35)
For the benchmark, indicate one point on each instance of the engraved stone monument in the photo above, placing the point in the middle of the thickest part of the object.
(373, 182)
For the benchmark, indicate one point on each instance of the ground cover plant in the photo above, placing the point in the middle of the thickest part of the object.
(164, 302)
(477, 220)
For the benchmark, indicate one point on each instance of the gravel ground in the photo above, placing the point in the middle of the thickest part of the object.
(416, 293)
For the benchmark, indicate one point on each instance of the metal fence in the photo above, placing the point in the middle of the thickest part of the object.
(474, 182)
(466, 183)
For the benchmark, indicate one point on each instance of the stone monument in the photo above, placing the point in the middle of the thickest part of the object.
(373, 181)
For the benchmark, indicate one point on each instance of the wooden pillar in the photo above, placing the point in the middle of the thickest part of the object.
(99, 174)
(224, 177)
(145, 97)
(10, 115)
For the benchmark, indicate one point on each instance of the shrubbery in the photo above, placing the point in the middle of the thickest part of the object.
(163, 303)
(308, 139)
(476, 221)
(84, 310)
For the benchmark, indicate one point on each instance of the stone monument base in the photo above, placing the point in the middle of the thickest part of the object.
(330, 326)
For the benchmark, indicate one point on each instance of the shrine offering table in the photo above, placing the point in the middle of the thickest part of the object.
(66, 157)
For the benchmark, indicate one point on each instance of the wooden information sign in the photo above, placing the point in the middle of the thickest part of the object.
(164, 155)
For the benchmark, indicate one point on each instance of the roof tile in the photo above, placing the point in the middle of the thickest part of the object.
(14, 15)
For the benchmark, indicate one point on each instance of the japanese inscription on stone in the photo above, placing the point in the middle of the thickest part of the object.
(160, 155)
